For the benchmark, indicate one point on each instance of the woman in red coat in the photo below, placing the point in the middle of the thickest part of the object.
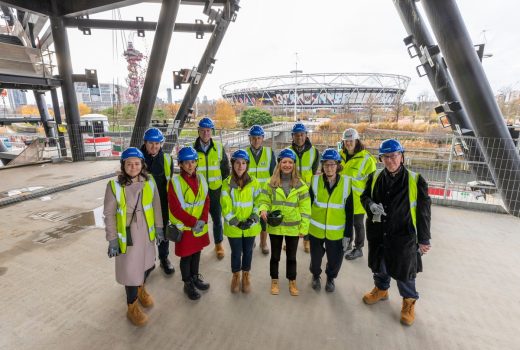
(188, 204)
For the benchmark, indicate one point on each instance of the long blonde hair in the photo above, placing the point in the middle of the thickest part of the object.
(276, 177)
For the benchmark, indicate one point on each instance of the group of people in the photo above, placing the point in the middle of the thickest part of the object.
(297, 194)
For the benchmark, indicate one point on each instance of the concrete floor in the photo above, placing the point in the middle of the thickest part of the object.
(58, 291)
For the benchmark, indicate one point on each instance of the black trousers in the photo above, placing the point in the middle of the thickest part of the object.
(131, 291)
(291, 243)
(359, 230)
(334, 250)
(189, 266)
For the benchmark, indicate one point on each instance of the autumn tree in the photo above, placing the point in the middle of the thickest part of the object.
(171, 109)
(84, 109)
(224, 115)
(28, 110)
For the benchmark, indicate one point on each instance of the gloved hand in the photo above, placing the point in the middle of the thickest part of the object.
(159, 235)
(245, 225)
(113, 248)
(254, 218)
(377, 209)
(234, 221)
(199, 226)
(345, 243)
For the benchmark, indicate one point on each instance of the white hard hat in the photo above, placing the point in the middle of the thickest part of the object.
(350, 134)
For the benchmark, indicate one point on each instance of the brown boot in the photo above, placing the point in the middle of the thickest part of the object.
(235, 282)
(263, 242)
(275, 288)
(408, 311)
(306, 246)
(375, 295)
(246, 282)
(219, 250)
(136, 315)
(144, 298)
(292, 288)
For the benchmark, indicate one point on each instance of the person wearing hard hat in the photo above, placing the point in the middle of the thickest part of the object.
(188, 211)
(398, 227)
(261, 166)
(133, 224)
(307, 162)
(214, 165)
(357, 163)
(160, 165)
(239, 200)
(332, 217)
(287, 195)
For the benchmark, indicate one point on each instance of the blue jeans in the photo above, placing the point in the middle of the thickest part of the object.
(406, 288)
(215, 210)
(241, 253)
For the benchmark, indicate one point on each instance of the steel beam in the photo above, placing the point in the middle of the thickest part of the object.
(161, 43)
(45, 117)
(477, 97)
(70, 102)
(57, 118)
(134, 25)
(441, 82)
(9, 81)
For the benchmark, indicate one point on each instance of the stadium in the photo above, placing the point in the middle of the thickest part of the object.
(336, 91)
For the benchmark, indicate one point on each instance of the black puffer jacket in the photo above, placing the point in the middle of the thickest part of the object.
(395, 238)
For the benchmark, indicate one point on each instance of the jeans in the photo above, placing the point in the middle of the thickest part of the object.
(334, 250)
(359, 230)
(406, 288)
(241, 253)
(215, 210)
(291, 244)
(131, 291)
(189, 266)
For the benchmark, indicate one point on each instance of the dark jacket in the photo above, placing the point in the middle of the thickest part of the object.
(224, 163)
(307, 146)
(395, 238)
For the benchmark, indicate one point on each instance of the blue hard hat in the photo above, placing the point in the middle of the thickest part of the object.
(131, 152)
(206, 122)
(153, 135)
(287, 153)
(187, 153)
(240, 154)
(390, 146)
(299, 127)
(330, 154)
(256, 130)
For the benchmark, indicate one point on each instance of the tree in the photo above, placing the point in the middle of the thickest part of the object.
(398, 107)
(84, 109)
(254, 116)
(158, 113)
(171, 109)
(129, 111)
(224, 115)
(28, 110)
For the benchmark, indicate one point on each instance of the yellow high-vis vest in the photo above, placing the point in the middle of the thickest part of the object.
(146, 201)
(209, 165)
(167, 167)
(260, 170)
(304, 166)
(358, 168)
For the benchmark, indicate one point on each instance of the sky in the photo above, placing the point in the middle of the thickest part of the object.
(330, 36)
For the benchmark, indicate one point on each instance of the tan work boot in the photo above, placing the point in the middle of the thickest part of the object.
(136, 315)
(408, 311)
(375, 295)
(246, 282)
(306, 246)
(263, 243)
(292, 288)
(219, 250)
(275, 288)
(144, 298)
(235, 282)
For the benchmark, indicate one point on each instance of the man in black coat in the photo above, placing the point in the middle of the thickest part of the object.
(398, 227)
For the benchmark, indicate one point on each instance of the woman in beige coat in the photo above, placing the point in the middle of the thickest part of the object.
(133, 220)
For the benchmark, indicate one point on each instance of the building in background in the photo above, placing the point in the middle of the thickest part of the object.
(169, 94)
(16, 98)
(106, 96)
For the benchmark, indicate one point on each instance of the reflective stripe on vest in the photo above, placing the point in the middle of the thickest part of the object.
(358, 168)
(147, 203)
(289, 205)
(304, 165)
(260, 170)
(167, 167)
(193, 205)
(328, 218)
(413, 179)
(209, 165)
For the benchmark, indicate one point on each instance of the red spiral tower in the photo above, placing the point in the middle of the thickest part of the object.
(135, 72)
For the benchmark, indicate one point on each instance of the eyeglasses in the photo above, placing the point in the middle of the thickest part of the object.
(391, 156)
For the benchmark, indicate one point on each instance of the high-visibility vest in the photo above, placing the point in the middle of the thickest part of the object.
(190, 203)
(413, 179)
(240, 203)
(209, 165)
(167, 167)
(295, 208)
(304, 165)
(358, 168)
(260, 170)
(328, 218)
(146, 201)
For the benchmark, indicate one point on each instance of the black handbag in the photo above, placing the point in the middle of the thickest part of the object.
(173, 233)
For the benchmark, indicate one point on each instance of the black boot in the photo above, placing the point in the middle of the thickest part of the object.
(167, 266)
(316, 283)
(199, 282)
(330, 286)
(191, 292)
(354, 254)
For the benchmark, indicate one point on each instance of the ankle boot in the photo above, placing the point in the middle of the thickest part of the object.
(199, 283)
(292, 288)
(375, 295)
(144, 298)
(263, 242)
(275, 288)
(408, 311)
(190, 290)
(306, 246)
(136, 315)
(246, 282)
(235, 282)
(219, 250)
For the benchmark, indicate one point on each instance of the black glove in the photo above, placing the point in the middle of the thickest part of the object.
(245, 225)
(113, 248)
